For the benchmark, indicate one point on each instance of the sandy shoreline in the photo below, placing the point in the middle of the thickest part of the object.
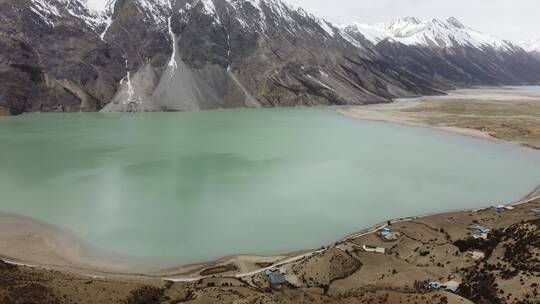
(498, 114)
(32, 243)
(29, 242)
(384, 113)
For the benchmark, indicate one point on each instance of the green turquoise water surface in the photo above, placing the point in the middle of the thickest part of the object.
(202, 185)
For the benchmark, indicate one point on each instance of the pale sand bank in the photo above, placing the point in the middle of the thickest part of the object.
(29, 242)
(507, 114)
(393, 113)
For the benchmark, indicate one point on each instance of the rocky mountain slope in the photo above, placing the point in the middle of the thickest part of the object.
(52, 60)
(176, 55)
(224, 53)
(448, 52)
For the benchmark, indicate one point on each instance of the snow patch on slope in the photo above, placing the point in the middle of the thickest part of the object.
(45, 11)
(52, 11)
(172, 62)
(209, 7)
(260, 15)
(101, 11)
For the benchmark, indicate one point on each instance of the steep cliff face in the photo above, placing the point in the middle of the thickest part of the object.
(176, 55)
(226, 53)
(464, 66)
(52, 59)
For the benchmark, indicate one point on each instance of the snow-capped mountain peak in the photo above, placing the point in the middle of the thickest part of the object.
(93, 12)
(99, 6)
(431, 33)
(455, 22)
(401, 26)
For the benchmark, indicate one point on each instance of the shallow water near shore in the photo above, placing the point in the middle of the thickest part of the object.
(202, 185)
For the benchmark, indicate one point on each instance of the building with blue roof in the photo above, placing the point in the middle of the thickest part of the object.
(481, 228)
(388, 235)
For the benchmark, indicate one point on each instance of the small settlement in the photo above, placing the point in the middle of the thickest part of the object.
(502, 208)
(480, 232)
(387, 235)
(373, 249)
(451, 286)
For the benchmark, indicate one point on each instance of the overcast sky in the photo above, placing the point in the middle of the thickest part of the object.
(508, 19)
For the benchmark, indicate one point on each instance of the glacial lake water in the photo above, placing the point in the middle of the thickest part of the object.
(202, 185)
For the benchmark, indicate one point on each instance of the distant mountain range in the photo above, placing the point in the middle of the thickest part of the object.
(178, 55)
(433, 34)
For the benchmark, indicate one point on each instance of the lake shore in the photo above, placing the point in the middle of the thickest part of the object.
(426, 248)
(28, 242)
(488, 113)
(423, 244)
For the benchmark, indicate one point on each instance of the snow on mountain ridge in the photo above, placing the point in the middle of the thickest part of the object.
(99, 6)
(432, 33)
(92, 13)
(259, 15)
(157, 11)
(98, 14)
(408, 30)
(45, 10)
(532, 44)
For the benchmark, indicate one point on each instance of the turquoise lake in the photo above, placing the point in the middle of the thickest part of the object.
(201, 185)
